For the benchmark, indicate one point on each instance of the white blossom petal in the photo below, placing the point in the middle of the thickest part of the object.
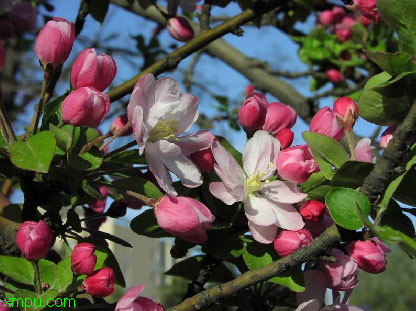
(220, 191)
(283, 192)
(184, 169)
(263, 234)
(288, 217)
(194, 142)
(260, 211)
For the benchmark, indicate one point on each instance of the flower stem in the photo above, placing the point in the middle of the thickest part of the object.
(38, 282)
(35, 121)
(119, 133)
(5, 125)
(351, 144)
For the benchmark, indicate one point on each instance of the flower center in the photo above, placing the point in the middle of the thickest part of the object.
(164, 129)
(255, 182)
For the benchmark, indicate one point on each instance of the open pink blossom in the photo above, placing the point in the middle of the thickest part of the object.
(364, 151)
(159, 112)
(131, 301)
(387, 135)
(267, 204)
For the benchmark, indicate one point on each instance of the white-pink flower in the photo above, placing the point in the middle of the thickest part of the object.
(364, 152)
(158, 112)
(267, 204)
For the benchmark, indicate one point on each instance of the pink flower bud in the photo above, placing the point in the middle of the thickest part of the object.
(335, 76)
(4, 306)
(339, 14)
(90, 69)
(85, 107)
(317, 227)
(83, 259)
(368, 8)
(180, 29)
(118, 124)
(326, 18)
(34, 239)
(252, 113)
(288, 242)
(2, 55)
(54, 42)
(249, 89)
(204, 159)
(313, 210)
(346, 112)
(387, 135)
(370, 255)
(100, 283)
(279, 116)
(285, 137)
(131, 301)
(365, 21)
(348, 22)
(184, 217)
(343, 34)
(296, 164)
(23, 16)
(98, 206)
(324, 122)
(341, 275)
(364, 151)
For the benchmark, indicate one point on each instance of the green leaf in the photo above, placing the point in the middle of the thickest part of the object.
(326, 151)
(399, 15)
(18, 269)
(63, 136)
(30, 301)
(35, 154)
(63, 274)
(393, 63)
(127, 157)
(317, 186)
(352, 174)
(146, 224)
(258, 255)
(395, 219)
(51, 112)
(91, 190)
(98, 9)
(101, 258)
(343, 204)
(87, 161)
(108, 236)
(405, 192)
(139, 185)
(47, 272)
(386, 106)
(389, 235)
(226, 249)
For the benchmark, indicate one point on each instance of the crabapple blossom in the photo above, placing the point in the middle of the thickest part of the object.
(335, 76)
(346, 112)
(364, 151)
(204, 159)
(131, 301)
(252, 113)
(54, 42)
(34, 239)
(339, 14)
(368, 8)
(285, 137)
(83, 259)
(99, 205)
(326, 18)
(343, 34)
(4, 306)
(100, 283)
(267, 204)
(387, 135)
(118, 123)
(180, 28)
(158, 112)
(279, 116)
(325, 122)
(288, 242)
(312, 210)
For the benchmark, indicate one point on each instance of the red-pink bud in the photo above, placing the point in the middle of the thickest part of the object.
(296, 164)
(54, 41)
(313, 210)
(180, 29)
(118, 124)
(285, 137)
(2, 55)
(85, 107)
(324, 122)
(387, 135)
(97, 205)
(370, 255)
(184, 217)
(100, 283)
(335, 76)
(348, 21)
(339, 14)
(4, 306)
(368, 8)
(341, 275)
(83, 259)
(90, 69)
(343, 34)
(23, 16)
(252, 113)
(34, 239)
(249, 89)
(288, 242)
(131, 301)
(365, 21)
(204, 159)
(326, 18)
(345, 55)
(317, 227)
(346, 112)
(279, 116)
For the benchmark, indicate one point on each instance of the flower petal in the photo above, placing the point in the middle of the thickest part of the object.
(259, 152)
(194, 142)
(260, 211)
(129, 297)
(283, 192)
(165, 86)
(190, 113)
(220, 191)
(311, 305)
(160, 172)
(184, 169)
(143, 95)
(263, 234)
(137, 125)
(288, 217)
